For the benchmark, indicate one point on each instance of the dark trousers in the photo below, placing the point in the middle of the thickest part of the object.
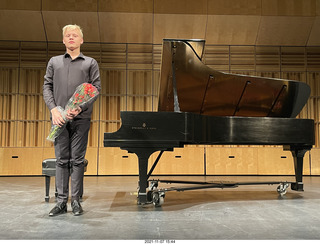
(70, 149)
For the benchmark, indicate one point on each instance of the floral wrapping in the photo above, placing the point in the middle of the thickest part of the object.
(83, 94)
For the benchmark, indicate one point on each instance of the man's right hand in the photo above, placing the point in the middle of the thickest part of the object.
(57, 118)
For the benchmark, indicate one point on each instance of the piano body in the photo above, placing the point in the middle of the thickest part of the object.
(199, 105)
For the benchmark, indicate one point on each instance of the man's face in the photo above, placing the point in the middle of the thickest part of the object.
(72, 39)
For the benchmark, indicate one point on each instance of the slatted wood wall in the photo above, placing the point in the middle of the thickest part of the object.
(130, 77)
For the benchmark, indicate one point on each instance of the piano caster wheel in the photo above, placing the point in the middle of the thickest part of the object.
(282, 188)
(149, 196)
(153, 185)
(157, 198)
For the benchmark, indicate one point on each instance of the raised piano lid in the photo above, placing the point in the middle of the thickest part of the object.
(188, 85)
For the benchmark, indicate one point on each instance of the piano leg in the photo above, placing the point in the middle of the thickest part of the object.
(298, 155)
(143, 181)
(143, 157)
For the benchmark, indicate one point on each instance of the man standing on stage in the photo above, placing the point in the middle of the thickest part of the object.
(64, 74)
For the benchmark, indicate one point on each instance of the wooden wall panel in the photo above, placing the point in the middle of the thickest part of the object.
(267, 59)
(33, 54)
(111, 106)
(31, 107)
(113, 56)
(139, 82)
(231, 160)
(9, 80)
(47, 127)
(275, 161)
(114, 161)
(92, 50)
(139, 91)
(56, 48)
(130, 81)
(94, 134)
(28, 161)
(317, 135)
(315, 159)
(21, 161)
(140, 56)
(182, 161)
(32, 80)
(8, 134)
(293, 59)
(107, 127)
(48, 152)
(9, 57)
(92, 157)
(157, 56)
(313, 58)
(251, 160)
(30, 133)
(217, 57)
(242, 58)
(95, 116)
(8, 106)
(113, 82)
(139, 103)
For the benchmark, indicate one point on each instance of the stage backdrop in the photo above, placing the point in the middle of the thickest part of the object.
(269, 38)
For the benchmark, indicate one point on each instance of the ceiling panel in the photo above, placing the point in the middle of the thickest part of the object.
(21, 25)
(183, 26)
(126, 6)
(70, 5)
(126, 27)
(34, 5)
(232, 29)
(234, 7)
(284, 30)
(180, 7)
(54, 21)
(314, 38)
(289, 7)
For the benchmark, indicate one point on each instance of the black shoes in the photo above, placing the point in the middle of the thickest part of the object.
(60, 208)
(76, 208)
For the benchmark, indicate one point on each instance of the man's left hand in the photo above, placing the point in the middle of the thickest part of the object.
(72, 113)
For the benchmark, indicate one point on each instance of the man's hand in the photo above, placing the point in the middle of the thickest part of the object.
(73, 113)
(57, 118)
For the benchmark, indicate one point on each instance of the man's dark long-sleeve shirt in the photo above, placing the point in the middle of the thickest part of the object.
(64, 75)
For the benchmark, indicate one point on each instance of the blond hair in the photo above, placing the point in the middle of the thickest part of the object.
(72, 27)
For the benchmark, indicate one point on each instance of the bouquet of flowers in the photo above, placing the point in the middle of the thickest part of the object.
(83, 94)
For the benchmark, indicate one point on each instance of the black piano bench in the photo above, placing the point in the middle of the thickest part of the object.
(49, 169)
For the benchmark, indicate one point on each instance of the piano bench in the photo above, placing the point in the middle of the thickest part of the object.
(49, 169)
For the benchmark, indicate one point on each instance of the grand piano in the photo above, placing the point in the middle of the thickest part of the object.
(199, 105)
